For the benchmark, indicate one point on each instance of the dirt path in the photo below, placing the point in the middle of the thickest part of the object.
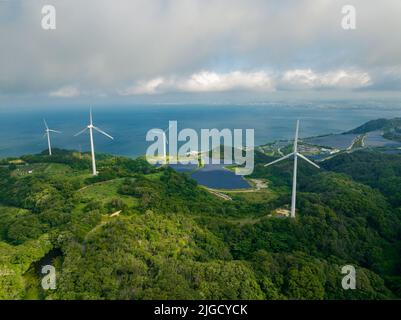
(101, 224)
(218, 194)
(98, 183)
(97, 227)
(258, 185)
(247, 220)
(358, 142)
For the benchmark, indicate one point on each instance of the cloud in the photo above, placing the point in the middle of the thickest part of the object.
(341, 79)
(65, 92)
(208, 81)
(163, 46)
(144, 87)
(204, 81)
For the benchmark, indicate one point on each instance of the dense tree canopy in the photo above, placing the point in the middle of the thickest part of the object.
(140, 232)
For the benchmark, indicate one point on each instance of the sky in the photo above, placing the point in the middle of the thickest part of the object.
(166, 51)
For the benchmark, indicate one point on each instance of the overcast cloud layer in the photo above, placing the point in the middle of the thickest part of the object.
(141, 47)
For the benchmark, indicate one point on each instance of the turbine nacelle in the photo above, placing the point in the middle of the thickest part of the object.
(291, 155)
(50, 130)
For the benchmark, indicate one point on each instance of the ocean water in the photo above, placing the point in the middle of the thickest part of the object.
(21, 130)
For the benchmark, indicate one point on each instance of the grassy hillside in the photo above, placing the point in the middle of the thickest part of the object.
(378, 124)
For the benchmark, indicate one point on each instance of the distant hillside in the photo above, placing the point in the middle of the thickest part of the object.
(378, 124)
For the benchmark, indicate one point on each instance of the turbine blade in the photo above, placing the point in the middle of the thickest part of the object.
(81, 132)
(307, 160)
(54, 131)
(281, 159)
(45, 124)
(90, 115)
(102, 132)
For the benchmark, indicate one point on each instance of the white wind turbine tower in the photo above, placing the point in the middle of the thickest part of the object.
(296, 154)
(47, 133)
(91, 127)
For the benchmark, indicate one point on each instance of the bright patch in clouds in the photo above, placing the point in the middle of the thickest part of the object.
(211, 81)
(65, 92)
(144, 87)
(308, 79)
(204, 81)
(208, 81)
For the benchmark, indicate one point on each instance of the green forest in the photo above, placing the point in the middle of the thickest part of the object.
(140, 232)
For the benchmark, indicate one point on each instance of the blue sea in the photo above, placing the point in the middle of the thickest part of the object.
(22, 129)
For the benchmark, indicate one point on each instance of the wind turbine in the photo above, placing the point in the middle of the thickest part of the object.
(47, 133)
(91, 127)
(295, 154)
